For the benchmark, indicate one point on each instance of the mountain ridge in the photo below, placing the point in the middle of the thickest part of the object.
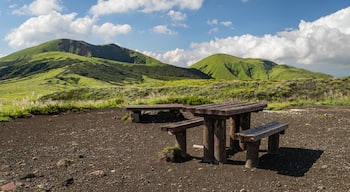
(109, 51)
(224, 66)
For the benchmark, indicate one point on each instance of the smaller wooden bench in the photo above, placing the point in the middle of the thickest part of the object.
(252, 137)
(179, 130)
(137, 109)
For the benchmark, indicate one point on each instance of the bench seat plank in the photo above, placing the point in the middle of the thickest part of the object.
(183, 125)
(255, 134)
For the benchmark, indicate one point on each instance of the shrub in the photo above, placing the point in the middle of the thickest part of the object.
(52, 109)
(171, 154)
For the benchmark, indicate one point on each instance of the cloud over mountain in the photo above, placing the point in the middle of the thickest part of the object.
(323, 41)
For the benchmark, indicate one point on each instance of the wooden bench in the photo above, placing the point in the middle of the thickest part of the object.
(137, 109)
(252, 137)
(179, 130)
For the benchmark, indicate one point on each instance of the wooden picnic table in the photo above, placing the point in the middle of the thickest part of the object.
(214, 132)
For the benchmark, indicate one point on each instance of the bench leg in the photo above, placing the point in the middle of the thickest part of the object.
(181, 142)
(273, 144)
(252, 154)
(136, 116)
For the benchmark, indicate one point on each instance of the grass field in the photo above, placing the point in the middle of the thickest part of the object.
(56, 92)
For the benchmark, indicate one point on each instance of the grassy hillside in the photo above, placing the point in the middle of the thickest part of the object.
(222, 66)
(100, 69)
(110, 52)
(30, 74)
(108, 63)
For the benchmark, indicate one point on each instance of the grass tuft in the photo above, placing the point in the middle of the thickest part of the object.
(171, 154)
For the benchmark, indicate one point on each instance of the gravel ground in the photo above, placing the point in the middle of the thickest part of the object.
(97, 151)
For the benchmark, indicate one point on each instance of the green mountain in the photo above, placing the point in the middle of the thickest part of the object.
(222, 66)
(109, 63)
(78, 61)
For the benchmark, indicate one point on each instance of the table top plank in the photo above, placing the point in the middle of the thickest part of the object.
(226, 108)
(213, 106)
(154, 107)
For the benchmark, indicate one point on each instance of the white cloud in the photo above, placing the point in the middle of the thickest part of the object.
(104, 7)
(217, 22)
(182, 25)
(163, 29)
(108, 30)
(55, 25)
(39, 7)
(226, 23)
(213, 22)
(177, 56)
(325, 41)
(213, 30)
(13, 6)
(177, 15)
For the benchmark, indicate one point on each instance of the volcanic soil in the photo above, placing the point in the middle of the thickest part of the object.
(96, 151)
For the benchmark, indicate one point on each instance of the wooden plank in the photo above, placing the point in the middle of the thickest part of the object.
(273, 143)
(253, 107)
(225, 109)
(155, 107)
(206, 106)
(220, 140)
(245, 125)
(183, 125)
(208, 141)
(234, 125)
(136, 116)
(252, 158)
(252, 135)
(181, 142)
(237, 105)
(230, 111)
(210, 108)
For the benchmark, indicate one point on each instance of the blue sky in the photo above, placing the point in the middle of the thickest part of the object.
(312, 34)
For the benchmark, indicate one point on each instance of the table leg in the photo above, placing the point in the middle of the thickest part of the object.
(245, 124)
(220, 139)
(208, 140)
(136, 116)
(234, 125)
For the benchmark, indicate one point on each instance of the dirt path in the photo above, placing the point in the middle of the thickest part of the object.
(96, 151)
